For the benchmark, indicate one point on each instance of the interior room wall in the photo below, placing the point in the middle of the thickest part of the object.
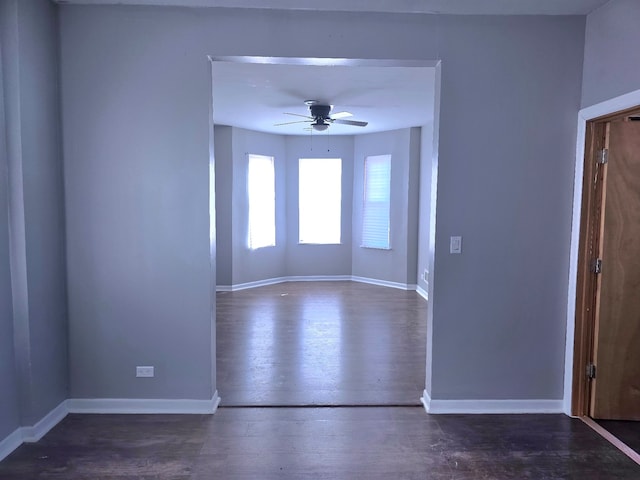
(238, 265)
(223, 149)
(137, 204)
(305, 259)
(263, 263)
(611, 58)
(397, 265)
(30, 40)
(9, 411)
(135, 92)
(507, 118)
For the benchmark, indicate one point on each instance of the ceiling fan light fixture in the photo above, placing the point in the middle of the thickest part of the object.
(319, 126)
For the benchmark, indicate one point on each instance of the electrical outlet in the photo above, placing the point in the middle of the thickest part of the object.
(425, 275)
(144, 372)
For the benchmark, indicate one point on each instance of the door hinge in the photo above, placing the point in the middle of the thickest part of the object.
(591, 371)
(597, 266)
(603, 156)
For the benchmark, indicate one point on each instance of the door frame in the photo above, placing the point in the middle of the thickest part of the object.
(430, 218)
(577, 350)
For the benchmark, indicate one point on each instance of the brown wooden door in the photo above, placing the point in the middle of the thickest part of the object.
(615, 392)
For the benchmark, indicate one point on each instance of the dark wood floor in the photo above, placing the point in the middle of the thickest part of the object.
(321, 343)
(372, 443)
(626, 432)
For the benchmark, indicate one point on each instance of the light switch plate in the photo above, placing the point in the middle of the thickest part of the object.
(455, 244)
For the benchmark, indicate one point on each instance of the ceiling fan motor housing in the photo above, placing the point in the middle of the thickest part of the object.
(320, 112)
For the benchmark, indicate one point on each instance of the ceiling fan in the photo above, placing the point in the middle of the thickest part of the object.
(321, 117)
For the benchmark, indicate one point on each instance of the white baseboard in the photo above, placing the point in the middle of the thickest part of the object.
(50, 420)
(9, 444)
(316, 278)
(245, 286)
(215, 400)
(384, 283)
(143, 406)
(33, 433)
(425, 399)
(422, 292)
(435, 406)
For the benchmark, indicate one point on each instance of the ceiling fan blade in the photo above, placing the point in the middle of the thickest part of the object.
(298, 115)
(339, 115)
(355, 123)
(290, 123)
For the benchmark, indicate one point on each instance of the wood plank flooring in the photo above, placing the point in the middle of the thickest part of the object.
(627, 432)
(321, 343)
(372, 443)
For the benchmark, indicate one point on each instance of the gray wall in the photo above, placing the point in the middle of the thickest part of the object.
(136, 100)
(611, 54)
(288, 258)
(305, 259)
(263, 263)
(237, 264)
(34, 159)
(510, 92)
(135, 93)
(223, 141)
(413, 205)
(9, 411)
(399, 263)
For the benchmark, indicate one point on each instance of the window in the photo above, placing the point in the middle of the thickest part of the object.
(319, 200)
(377, 200)
(261, 189)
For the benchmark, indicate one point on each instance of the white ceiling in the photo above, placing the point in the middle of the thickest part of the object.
(256, 96)
(465, 7)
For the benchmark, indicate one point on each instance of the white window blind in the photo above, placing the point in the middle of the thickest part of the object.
(377, 202)
(261, 189)
(320, 200)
